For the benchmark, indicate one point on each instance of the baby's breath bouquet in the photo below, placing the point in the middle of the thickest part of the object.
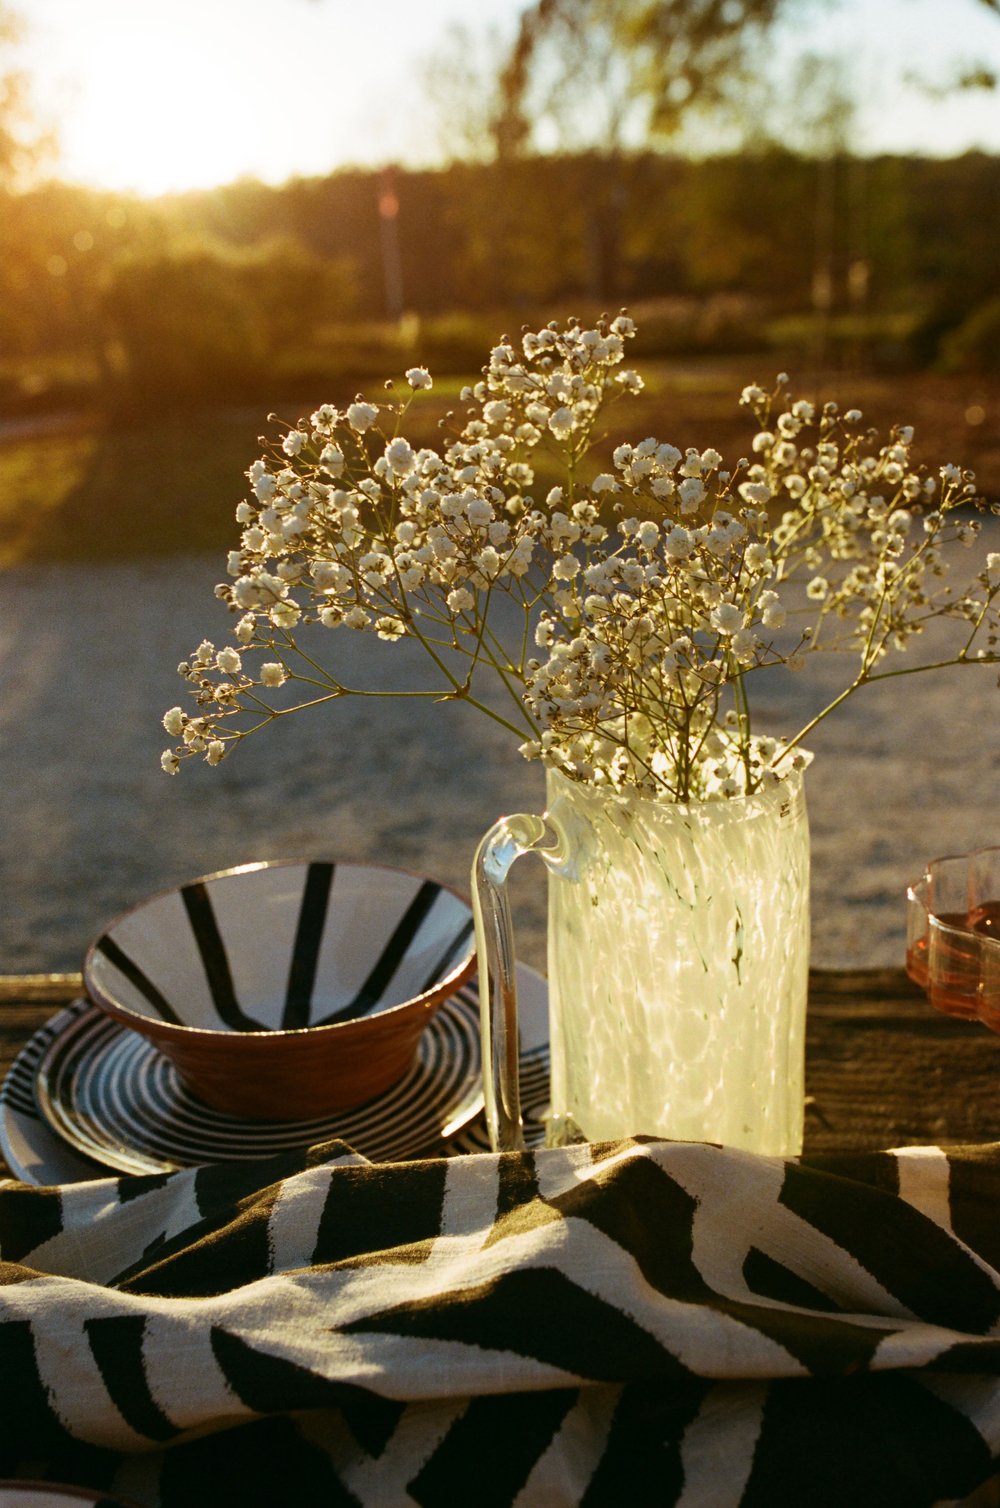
(648, 587)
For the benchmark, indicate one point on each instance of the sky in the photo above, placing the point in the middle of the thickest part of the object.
(153, 96)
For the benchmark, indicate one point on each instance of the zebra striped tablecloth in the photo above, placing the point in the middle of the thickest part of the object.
(629, 1324)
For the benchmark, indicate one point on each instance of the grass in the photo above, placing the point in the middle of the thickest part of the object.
(112, 493)
(38, 476)
(83, 490)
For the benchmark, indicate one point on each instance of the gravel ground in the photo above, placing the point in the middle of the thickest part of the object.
(89, 825)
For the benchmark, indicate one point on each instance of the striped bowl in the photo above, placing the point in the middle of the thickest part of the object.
(286, 990)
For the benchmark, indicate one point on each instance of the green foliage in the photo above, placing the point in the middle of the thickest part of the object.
(668, 57)
(257, 294)
(58, 245)
(454, 343)
(180, 323)
(200, 318)
(156, 488)
(975, 345)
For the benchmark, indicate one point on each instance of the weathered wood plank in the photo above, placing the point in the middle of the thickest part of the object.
(41, 987)
(879, 1082)
(882, 1068)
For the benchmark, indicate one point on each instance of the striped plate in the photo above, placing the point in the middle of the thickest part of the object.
(107, 1093)
(111, 1095)
(55, 1495)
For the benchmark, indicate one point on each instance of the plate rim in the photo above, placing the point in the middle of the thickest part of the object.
(57, 1162)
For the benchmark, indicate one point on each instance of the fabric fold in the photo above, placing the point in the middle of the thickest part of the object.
(640, 1321)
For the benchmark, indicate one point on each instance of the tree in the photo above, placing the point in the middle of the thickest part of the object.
(22, 143)
(661, 58)
(644, 68)
(194, 317)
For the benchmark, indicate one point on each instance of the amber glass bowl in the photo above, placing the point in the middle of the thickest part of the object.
(286, 990)
(953, 934)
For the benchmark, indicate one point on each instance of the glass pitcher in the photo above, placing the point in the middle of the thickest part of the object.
(678, 959)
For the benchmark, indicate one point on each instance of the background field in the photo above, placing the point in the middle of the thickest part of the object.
(144, 340)
(115, 538)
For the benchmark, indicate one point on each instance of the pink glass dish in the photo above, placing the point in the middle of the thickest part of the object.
(953, 935)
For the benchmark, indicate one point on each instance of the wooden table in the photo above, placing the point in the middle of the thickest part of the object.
(882, 1070)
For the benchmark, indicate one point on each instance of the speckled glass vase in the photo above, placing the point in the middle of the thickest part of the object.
(678, 944)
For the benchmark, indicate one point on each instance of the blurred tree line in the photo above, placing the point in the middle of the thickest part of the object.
(246, 290)
(789, 240)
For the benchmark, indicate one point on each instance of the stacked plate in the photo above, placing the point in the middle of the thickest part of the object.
(89, 1095)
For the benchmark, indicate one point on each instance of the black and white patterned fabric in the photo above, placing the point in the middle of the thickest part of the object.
(625, 1324)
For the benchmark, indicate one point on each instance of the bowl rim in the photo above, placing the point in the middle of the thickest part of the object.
(453, 981)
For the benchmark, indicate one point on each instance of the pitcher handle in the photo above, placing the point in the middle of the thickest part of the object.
(506, 841)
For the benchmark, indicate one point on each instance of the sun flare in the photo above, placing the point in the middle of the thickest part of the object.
(195, 94)
(171, 119)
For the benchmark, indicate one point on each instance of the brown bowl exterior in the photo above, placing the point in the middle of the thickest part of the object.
(282, 1076)
(295, 1075)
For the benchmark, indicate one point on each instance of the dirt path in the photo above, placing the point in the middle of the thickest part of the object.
(89, 825)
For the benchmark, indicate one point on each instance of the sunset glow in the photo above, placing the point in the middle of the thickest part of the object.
(178, 124)
(153, 98)
(201, 92)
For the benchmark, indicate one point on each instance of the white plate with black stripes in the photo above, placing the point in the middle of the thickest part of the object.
(86, 1097)
(55, 1495)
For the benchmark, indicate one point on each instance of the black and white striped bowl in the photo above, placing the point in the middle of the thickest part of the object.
(287, 989)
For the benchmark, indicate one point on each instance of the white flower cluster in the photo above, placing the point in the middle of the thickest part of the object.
(647, 595)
